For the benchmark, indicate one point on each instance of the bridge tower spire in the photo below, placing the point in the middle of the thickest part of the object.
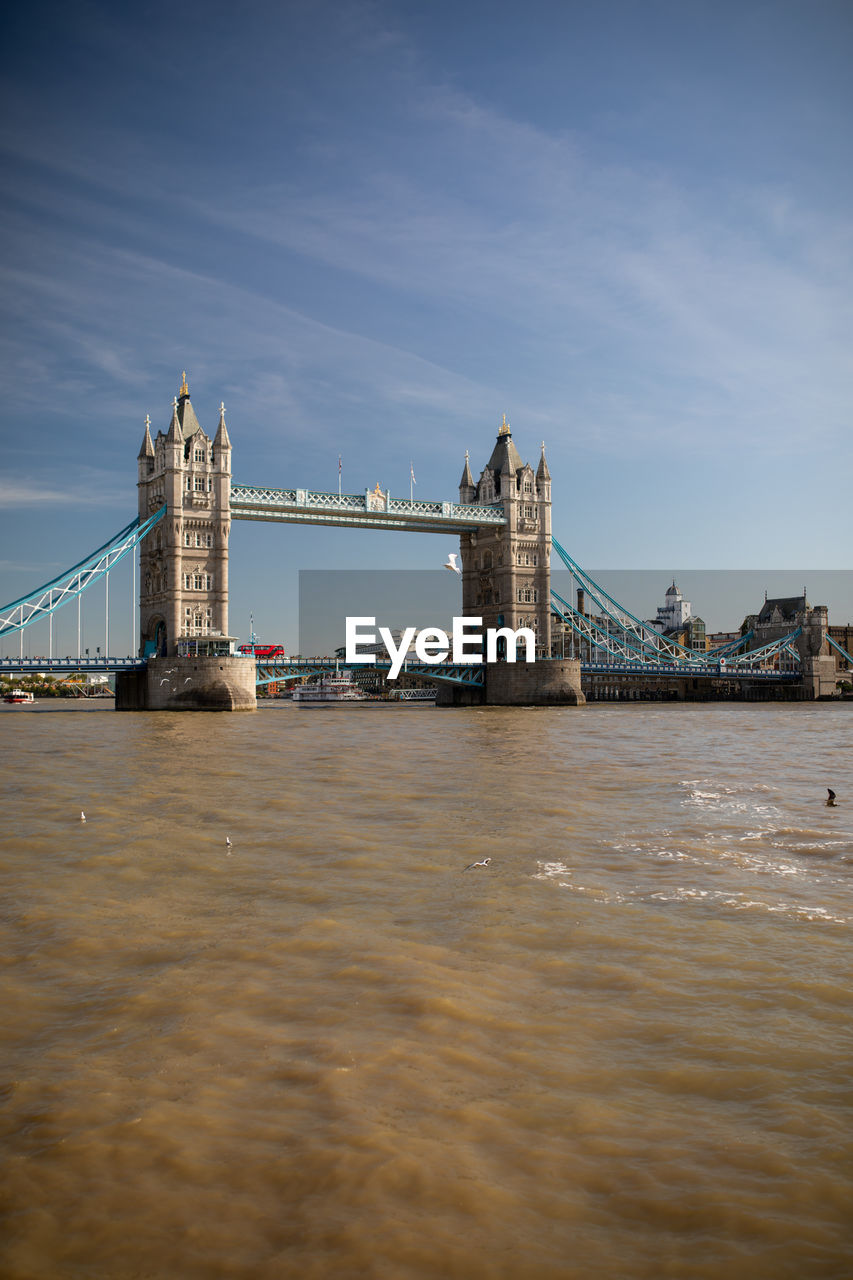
(183, 579)
(506, 572)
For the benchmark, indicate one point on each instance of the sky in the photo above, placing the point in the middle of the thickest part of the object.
(373, 228)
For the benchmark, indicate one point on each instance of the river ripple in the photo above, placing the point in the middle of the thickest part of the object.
(620, 1050)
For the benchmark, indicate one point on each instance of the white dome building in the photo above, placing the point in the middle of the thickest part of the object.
(674, 612)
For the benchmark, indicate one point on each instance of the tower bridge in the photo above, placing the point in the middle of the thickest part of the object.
(187, 502)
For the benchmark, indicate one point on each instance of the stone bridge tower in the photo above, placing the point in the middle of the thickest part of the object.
(183, 588)
(779, 617)
(506, 572)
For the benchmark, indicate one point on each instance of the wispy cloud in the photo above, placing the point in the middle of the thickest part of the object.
(606, 265)
(26, 494)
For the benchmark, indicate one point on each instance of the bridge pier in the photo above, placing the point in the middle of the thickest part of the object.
(189, 684)
(819, 677)
(550, 682)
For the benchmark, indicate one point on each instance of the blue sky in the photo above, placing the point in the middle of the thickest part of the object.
(373, 228)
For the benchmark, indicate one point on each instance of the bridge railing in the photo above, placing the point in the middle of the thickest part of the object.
(60, 666)
(457, 673)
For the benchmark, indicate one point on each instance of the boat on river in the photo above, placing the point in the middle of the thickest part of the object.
(337, 687)
(19, 695)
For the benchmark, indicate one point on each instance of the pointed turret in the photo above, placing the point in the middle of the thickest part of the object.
(221, 440)
(174, 433)
(466, 484)
(147, 449)
(186, 413)
(505, 459)
(542, 472)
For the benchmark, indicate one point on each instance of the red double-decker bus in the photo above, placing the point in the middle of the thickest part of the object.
(262, 650)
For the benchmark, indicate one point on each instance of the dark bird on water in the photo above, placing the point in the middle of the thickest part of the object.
(831, 797)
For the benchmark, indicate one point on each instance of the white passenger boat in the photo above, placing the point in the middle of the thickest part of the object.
(337, 687)
(19, 695)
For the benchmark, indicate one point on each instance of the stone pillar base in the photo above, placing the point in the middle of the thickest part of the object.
(189, 684)
(819, 678)
(548, 682)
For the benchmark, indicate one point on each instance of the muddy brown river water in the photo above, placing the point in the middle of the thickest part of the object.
(622, 1049)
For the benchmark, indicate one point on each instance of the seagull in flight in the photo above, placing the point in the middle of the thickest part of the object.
(830, 798)
(451, 563)
(471, 865)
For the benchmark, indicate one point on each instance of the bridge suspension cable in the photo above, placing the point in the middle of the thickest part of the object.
(616, 635)
(45, 600)
(640, 637)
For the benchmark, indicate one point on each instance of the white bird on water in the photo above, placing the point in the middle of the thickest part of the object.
(451, 563)
(82, 816)
(228, 844)
(471, 865)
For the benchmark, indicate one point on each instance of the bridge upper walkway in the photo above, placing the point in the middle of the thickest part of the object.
(373, 509)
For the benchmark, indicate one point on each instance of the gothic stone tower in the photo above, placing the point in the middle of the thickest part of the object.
(506, 572)
(183, 589)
